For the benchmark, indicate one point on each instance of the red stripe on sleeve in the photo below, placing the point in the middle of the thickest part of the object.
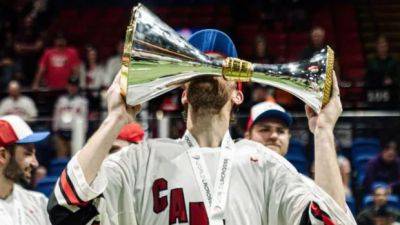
(321, 215)
(69, 192)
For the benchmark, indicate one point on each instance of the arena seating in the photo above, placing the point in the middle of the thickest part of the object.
(296, 155)
(57, 166)
(46, 185)
(362, 151)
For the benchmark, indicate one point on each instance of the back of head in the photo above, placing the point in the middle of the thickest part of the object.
(211, 93)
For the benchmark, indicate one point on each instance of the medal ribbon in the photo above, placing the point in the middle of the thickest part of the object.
(214, 196)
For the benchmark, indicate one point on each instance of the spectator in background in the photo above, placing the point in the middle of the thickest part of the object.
(384, 168)
(317, 43)
(18, 104)
(9, 68)
(345, 171)
(67, 109)
(261, 51)
(17, 161)
(27, 46)
(382, 70)
(269, 125)
(40, 12)
(384, 216)
(380, 200)
(57, 64)
(91, 71)
(113, 64)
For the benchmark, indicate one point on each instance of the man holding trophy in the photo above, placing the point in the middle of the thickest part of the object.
(204, 177)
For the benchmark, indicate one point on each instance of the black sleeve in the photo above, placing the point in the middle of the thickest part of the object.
(317, 213)
(60, 215)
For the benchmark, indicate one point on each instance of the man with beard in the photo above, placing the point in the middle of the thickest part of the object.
(17, 160)
(203, 178)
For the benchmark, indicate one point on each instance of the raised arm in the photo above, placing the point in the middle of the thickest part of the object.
(327, 173)
(97, 148)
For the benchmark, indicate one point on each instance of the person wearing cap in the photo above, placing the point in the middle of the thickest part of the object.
(385, 167)
(269, 125)
(129, 134)
(381, 193)
(17, 161)
(66, 111)
(167, 181)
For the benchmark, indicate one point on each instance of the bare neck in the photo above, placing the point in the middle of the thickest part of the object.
(6, 186)
(208, 129)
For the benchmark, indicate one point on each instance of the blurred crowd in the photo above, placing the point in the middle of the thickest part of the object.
(383, 70)
(32, 61)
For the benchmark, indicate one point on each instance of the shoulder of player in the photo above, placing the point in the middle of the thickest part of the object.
(31, 195)
(163, 146)
(166, 146)
(249, 146)
(254, 149)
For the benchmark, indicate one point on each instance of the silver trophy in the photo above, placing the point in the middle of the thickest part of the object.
(156, 60)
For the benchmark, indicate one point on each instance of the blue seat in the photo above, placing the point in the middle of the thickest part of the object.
(296, 148)
(57, 166)
(351, 202)
(300, 163)
(360, 163)
(365, 147)
(297, 157)
(360, 166)
(393, 201)
(46, 185)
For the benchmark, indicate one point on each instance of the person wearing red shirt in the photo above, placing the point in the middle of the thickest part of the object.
(57, 64)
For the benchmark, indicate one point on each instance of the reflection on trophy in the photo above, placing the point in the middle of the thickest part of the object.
(156, 60)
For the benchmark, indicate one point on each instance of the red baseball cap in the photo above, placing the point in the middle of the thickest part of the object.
(14, 130)
(132, 133)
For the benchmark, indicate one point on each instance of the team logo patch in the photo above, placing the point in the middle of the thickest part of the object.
(254, 159)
